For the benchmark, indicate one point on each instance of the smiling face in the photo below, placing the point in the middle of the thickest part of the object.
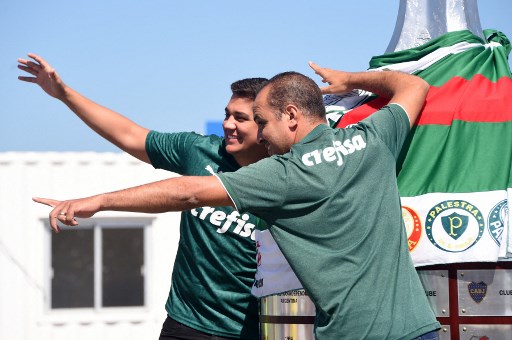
(273, 132)
(240, 132)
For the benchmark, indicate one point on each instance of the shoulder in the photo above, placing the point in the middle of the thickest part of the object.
(185, 138)
(390, 112)
(394, 109)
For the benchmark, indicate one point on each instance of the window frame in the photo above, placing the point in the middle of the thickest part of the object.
(97, 224)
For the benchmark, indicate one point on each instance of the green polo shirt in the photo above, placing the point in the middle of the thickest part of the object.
(216, 259)
(333, 207)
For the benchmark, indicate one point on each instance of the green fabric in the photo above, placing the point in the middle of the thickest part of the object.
(498, 37)
(449, 166)
(334, 210)
(460, 148)
(215, 263)
(413, 54)
(472, 89)
(491, 62)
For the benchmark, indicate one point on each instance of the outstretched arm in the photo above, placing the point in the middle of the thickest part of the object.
(112, 126)
(174, 194)
(407, 90)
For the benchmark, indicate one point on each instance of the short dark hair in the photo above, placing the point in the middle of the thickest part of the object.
(248, 87)
(295, 88)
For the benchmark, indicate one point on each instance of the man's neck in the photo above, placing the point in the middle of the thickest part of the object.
(249, 158)
(307, 128)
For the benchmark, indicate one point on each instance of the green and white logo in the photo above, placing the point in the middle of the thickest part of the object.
(496, 221)
(454, 225)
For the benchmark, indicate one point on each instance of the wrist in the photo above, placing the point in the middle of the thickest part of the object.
(102, 202)
(66, 93)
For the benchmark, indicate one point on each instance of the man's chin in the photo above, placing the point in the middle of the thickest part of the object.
(232, 148)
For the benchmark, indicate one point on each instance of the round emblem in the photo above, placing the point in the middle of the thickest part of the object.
(454, 225)
(412, 226)
(496, 221)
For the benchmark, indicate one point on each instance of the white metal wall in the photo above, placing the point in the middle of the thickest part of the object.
(24, 249)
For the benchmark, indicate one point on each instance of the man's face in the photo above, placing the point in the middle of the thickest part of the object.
(274, 133)
(240, 131)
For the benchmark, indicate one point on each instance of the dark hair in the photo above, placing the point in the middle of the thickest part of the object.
(295, 88)
(248, 87)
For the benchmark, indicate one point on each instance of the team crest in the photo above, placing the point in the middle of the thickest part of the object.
(412, 226)
(477, 291)
(497, 220)
(454, 225)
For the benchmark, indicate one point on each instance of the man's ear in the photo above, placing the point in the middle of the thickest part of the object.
(291, 112)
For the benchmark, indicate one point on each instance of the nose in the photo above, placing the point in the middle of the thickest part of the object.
(229, 123)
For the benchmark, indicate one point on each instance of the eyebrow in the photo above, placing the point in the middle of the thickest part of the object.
(237, 113)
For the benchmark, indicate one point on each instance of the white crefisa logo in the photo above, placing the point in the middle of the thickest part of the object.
(335, 152)
(224, 221)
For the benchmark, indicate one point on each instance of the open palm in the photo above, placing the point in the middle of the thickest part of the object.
(43, 74)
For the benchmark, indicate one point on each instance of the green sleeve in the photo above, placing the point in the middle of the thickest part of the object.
(391, 125)
(169, 150)
(259, 188)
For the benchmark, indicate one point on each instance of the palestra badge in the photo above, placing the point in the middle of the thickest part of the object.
(454, 225)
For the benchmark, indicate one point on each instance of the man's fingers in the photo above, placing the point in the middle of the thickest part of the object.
(30, 64)
(40, 60)
(69, 217)
(55, 227)
(313, 65)
(318, 70)
(321, 71)
(33, 65)
(28, 79)
(62, 211)
(53, 221)
(46, 201)
(66, 218)
(59, 213)
(326, 90)
(28, 70)
(22, 61)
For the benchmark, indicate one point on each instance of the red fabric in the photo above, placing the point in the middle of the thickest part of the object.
(475, 100)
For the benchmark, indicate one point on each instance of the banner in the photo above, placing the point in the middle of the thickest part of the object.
(454, 172)
(455, 169)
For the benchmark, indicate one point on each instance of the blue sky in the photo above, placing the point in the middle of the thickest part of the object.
(168, 65)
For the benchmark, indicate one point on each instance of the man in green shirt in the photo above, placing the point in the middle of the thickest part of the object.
(216, 245)
(329, 196)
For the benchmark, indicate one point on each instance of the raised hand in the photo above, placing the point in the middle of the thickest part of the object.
(338, 80)
(43, 74)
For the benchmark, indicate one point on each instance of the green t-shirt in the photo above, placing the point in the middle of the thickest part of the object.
(333, 207)
(216, 259)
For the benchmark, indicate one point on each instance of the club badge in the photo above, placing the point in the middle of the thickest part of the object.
(477, 291)
(454, 225)
(413, 227)
(496, 221)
